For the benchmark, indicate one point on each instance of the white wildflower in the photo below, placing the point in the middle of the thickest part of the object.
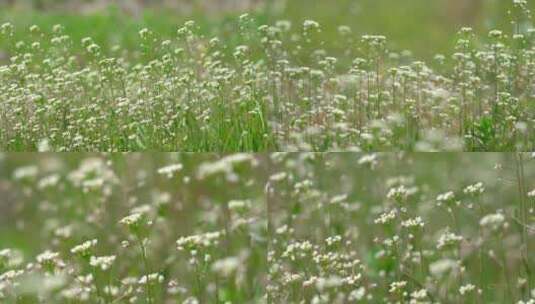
(492, 221)
(170, 170)
(466, 289)
(103, 262)
(85, 247)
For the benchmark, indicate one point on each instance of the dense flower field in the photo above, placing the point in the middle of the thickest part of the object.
(280, 150)
(134, 229)
(267, 228)
(269, 87)
(401, 228)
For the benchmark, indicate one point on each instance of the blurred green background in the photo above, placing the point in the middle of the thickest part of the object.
(424, 27)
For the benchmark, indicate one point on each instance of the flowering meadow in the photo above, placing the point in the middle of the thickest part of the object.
(267, 152)
(401, 228)
(138, 228)
(267, 228)
(268, 87)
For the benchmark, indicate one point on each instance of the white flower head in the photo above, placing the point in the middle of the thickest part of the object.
(474, 189)
(449, 239)
(47, 257)
(103, 262)
(84, 249)
(465, 289)
(132, 220)
(311, 25)
(398, 286)
(446, 197)
(151, 278)
(170, 170)
(492, 221)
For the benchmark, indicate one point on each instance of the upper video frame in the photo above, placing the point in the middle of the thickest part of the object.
(227, 76)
